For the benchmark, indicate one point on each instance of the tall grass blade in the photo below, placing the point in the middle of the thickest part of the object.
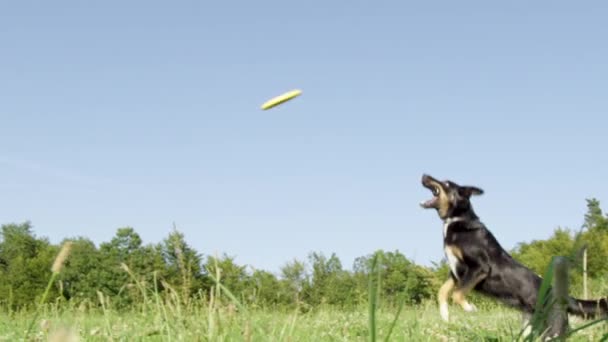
(42, 300)
(543, 306)
(392, 326)
(373, 297)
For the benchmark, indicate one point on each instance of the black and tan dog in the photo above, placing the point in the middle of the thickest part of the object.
(478, 262)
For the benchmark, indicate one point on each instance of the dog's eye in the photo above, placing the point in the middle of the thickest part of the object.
(435, 191)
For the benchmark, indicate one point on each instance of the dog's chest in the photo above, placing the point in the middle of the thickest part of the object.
(452, 254)
(453, 260)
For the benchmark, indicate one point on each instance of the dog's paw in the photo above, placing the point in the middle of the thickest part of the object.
(444, 312)
(468, 307)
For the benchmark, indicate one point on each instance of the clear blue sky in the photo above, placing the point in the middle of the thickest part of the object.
(145, 113)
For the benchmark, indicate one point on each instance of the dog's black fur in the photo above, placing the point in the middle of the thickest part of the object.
(478, 262)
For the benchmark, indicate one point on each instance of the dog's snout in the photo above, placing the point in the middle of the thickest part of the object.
(426, 179)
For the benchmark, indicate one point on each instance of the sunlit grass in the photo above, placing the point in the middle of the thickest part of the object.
(220, 316)
(226, 322)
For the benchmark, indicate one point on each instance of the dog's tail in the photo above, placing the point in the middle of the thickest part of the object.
(588, 308)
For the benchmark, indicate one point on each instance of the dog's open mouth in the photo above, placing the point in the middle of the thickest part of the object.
(432, 203)
(431, 184)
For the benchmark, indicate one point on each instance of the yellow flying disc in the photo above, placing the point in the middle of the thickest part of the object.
(275, 101)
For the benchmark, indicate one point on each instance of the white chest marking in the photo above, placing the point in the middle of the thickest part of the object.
(452, 261)
(447, 222)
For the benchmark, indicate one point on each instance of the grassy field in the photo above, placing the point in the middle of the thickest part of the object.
(220, 316)
(166, 322)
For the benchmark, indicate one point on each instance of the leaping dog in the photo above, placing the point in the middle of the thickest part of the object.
(478, 262)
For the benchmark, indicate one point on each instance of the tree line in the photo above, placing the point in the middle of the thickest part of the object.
(119, 268)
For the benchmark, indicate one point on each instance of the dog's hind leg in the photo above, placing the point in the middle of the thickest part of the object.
(442, 297)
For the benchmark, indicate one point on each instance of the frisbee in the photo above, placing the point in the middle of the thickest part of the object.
(275, 101)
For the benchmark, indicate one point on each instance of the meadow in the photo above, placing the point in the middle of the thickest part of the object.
(206, 321)
(220, 316)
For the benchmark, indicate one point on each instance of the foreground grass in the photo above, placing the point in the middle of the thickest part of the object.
(222, 317)
(226, 323)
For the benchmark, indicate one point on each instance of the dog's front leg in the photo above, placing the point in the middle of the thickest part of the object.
(442, 297)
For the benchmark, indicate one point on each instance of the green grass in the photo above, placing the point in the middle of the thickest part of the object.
(226, 323)
(222, 317)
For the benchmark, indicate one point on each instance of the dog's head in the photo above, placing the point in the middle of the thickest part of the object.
(449, 198)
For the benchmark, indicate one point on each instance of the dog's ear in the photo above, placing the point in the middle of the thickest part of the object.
(468, 191)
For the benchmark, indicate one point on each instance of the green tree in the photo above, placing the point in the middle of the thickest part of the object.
(595, 237)
(78, 281)
(293, 280)
(330, 284)
(267, 289)
(594, 218)
(596, 240)
(184, 267)
(125, 249)
(232, 276)
(538, 253)
(25, 265)
(400, 279)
